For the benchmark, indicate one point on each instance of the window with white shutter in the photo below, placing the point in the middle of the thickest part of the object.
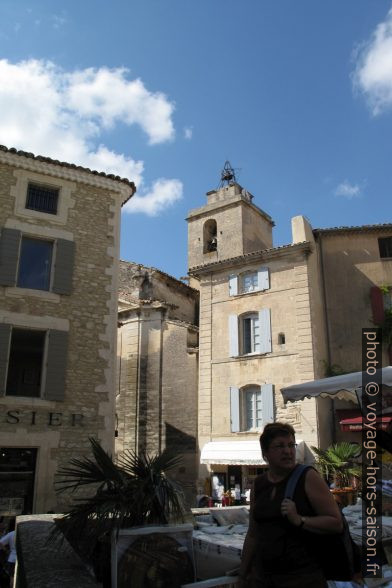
(251, 407)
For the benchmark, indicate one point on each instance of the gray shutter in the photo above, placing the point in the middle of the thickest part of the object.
(5, 339)
(263, 282)
(63, 266)
(234, 409)
(56, 364)
(267, 403)
(265, 330)
(9, 252)
(233, 285)
(233, 335)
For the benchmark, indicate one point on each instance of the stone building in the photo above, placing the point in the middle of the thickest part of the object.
(59, 251)
(271, 317)
(158, 368)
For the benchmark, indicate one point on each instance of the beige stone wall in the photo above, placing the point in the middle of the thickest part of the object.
(158, 366)
(352, 265)
(88, 314)
(241, 226)
(289, 300)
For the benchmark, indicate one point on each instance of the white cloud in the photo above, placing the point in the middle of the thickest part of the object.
(188, 132)
(373, 73)
(162, 194)
(348, 190)
(49, 111)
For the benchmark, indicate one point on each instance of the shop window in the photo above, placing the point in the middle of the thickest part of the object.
(210, 242)
(385, 246)
(250, 333)
(28, 262)
(17, 473)
(42, 198)
(251, 407)
(23, 353)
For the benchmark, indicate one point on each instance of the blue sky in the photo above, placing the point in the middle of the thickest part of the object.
(297, 95)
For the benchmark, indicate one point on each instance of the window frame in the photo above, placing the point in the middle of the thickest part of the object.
(388, 247)
(43, 353)
(238, 417)
(248, 335)
(245, 392)
(52, 262)
(45, 187)
(254, 275)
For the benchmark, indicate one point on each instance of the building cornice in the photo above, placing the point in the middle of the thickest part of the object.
(209, 209)
(67, 171)
(261, 255)
(356, 229)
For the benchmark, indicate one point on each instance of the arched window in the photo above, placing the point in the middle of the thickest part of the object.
(210, 242)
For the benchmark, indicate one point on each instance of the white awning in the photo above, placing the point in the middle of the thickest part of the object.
(244, 453)
(344, 386)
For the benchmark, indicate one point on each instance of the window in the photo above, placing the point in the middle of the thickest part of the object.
(210, 242)
(35, 262)
(25, 363)
(251, 407)
(249, 281)
(29, 262)
(250, 333)
(281, 339)
(385, 246)
(42, 198)
(23, 353)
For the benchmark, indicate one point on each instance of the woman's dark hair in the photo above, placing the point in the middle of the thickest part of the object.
(273, 430)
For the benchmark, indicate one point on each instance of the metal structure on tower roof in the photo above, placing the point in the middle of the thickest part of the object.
(227, 175)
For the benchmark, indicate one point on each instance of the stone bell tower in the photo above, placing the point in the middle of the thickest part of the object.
(229, 225)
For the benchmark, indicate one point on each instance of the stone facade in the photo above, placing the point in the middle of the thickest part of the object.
(75, 395)
(157, 367)
(271, 317)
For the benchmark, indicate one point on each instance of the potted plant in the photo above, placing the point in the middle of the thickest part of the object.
(129, 492)
(339, 464)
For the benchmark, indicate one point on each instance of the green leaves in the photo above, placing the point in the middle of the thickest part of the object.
(133, 491)
(339, 461)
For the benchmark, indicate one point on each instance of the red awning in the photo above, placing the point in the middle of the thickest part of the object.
(356, 423)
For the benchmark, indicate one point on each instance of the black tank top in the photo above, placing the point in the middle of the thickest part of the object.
(281, 545)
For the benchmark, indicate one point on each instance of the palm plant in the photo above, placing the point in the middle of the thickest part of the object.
(132, 491)
(339, 461)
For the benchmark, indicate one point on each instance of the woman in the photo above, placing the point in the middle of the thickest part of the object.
(277, 550)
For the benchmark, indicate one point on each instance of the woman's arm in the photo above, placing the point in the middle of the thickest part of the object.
(249, 547)
(328, 518)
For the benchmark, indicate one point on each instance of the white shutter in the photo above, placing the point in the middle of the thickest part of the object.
(267, 403)
(233, 285)
(265, 330)
(263, 281)
(234, 409)
(233, 335)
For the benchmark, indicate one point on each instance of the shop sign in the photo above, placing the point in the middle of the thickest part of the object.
(51, 419)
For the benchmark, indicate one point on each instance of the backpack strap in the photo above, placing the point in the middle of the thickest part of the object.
(293, 480)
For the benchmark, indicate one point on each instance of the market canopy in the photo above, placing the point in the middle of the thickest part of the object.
(244, 453)
(344, 386)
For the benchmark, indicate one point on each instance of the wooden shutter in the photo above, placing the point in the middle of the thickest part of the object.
(5, 340)
(377, 302)
(263, 282)
(234, 409)
(233, 335)
(63, 267)
(233, 285)
(267, 403)
(9, 253)
(56, 364)
(265, 330)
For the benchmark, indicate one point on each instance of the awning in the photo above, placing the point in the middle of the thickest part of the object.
(343, 387)
(356, 423)
(244, 453)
